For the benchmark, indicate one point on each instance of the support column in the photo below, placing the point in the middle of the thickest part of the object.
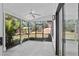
(43, 31)
(28, 31)
(35, 29)
(4, 36)
(21, 31)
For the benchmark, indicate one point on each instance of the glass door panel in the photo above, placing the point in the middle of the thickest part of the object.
(71, 18)
(60, 32)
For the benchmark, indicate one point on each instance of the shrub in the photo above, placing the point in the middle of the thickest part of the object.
(10, 27)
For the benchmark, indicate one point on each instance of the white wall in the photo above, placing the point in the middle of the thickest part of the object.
(1, 21)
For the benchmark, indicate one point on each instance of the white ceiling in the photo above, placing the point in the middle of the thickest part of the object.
(22, 9)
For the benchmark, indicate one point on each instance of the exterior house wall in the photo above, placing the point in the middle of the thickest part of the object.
(1, 28)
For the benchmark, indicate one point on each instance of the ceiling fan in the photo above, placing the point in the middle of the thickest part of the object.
(34, 14)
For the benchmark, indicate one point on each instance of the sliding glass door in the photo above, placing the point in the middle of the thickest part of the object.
(71, 34)
(67, 29)
(59, 30)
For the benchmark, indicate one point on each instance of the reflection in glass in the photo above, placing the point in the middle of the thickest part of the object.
(71, 17)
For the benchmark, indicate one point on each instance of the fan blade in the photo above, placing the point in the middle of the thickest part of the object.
(33, 16)
(37, 14)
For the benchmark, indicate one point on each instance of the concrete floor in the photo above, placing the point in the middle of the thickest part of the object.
(71, 48)
(32, 48)
(40, 48)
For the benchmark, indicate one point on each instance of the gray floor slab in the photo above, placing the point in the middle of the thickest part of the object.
(32, 48)
(71, 48)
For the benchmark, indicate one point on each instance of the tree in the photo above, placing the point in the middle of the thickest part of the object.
(70, 25)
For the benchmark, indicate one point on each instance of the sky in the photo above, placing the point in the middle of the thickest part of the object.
(23, 9)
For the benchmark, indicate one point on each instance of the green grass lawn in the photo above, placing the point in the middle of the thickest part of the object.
(31, 35)
(70, 35)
